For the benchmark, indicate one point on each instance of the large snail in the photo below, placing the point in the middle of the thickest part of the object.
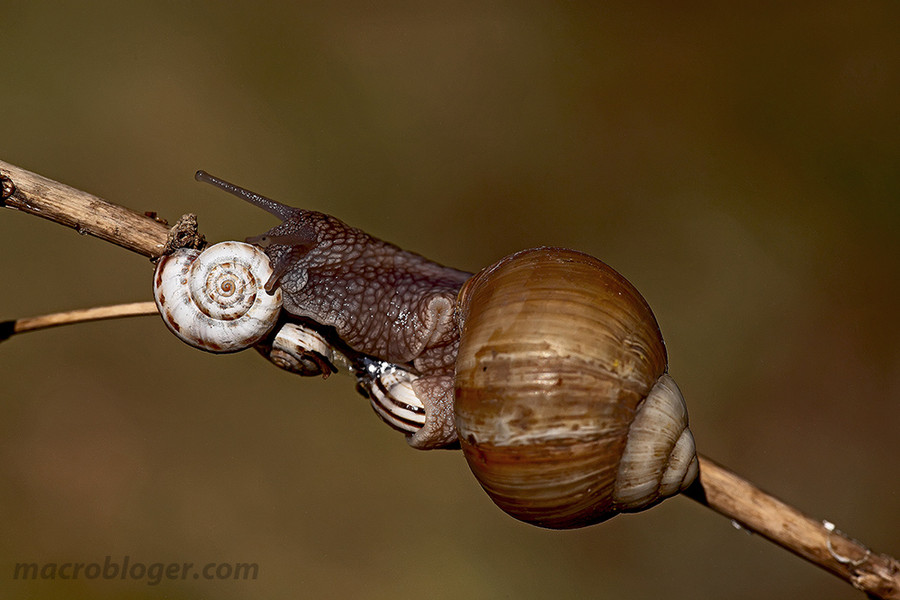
(564, 410)
(547, 368)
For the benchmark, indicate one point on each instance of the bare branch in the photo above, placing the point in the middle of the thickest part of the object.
(86, 213)
(816, 541)
(71, 317)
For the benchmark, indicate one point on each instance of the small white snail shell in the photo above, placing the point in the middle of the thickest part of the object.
(304, 351)
(215, 300)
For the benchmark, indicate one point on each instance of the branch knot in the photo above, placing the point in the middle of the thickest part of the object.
(184, 234)
(7, 188)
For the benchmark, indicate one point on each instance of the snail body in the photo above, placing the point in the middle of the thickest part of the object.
(548, 368)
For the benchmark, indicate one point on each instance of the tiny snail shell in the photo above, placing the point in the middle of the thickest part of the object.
(563, 408)
(302, 350)
(394, 399)
(214, 300)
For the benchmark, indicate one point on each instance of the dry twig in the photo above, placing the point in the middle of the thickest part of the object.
(86, 213)
(83, 315)
(819, 542)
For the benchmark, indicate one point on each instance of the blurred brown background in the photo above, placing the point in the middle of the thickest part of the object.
(739, 165)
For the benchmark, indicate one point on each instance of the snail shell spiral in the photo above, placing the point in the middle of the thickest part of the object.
(215, 300)
(563, 408)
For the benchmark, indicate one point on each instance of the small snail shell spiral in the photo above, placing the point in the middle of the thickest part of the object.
(302, 350)
(563, 408)
(214, 300)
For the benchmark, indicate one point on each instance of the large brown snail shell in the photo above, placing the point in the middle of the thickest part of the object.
(563, 407)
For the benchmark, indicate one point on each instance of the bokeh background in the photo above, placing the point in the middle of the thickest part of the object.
(738, 163)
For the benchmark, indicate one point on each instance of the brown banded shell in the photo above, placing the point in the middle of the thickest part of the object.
(558, 355)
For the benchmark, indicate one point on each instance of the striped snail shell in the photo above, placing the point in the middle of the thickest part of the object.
(564, 410)
(215, 299)
(303, 350)
(393, 398)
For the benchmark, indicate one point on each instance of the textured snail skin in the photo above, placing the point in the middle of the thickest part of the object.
(215, 300)
(383, 301)
(558, 355)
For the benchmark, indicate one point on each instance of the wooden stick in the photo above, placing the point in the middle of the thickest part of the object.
(816, 541)
(83, 315)
(86, 213)
(717, 488)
